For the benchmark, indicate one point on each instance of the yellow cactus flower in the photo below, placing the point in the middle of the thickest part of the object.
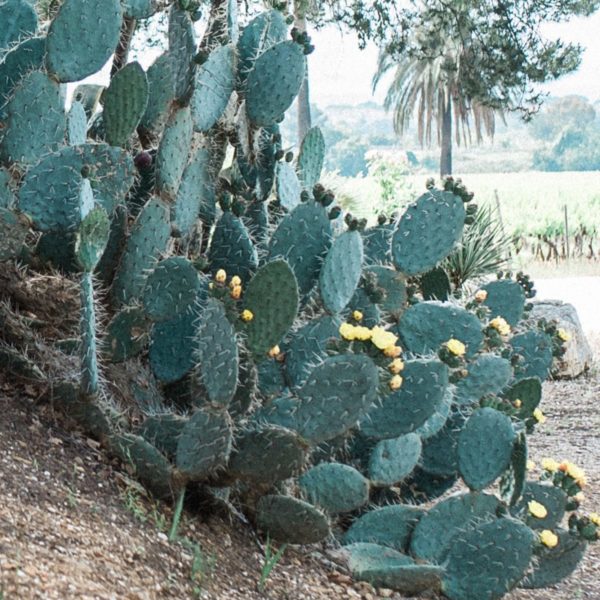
(456, 347)
(517, 403)
(396, 366)
(539, 511)
(548, 538)
(564, 335)
(357, 316)
(274, 352)
(595, 519)
(247, 315)
(539, 416)
(383, 339)
(221, 276)
(211, 285)
(235, 280)
(362, 333)
(392, 351)
(530, 465)
(236, 292)
(347, 331)
(500, 325)
(549, 464)
(481, 295)
(579, 497)
(395, 382)
(573, 471)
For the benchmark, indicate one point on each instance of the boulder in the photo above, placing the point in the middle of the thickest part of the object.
(578, 357)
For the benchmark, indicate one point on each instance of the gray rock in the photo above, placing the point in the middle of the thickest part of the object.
(578, 357)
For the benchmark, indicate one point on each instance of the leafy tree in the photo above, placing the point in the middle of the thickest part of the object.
(560, 113)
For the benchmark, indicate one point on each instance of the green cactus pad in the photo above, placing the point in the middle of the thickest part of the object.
(311, 158)
(513, 481)
(13, 231)
(393, 460)
(148, 239)
(435, 285)
(307, 347)
(81, 38)
(161, 93)
(261, 33)
(126, 334)
(232, 248)
(280, 411)
(414, 249)
(390, 526)
(182, 48)
(139, 9)
(423, 487)
(271, 382)
(125, 102)
(217, 354)
(272, 297)
(485, 447)
(393, 284)
(116, 242)
(215, 82)
(552, 565)
(150, 466)
(15, 64)
(7, 194)
(256, 218)
(204, 443)
(341, 271)
(425, 326)
(76, 125)
(432, 538)
(336, 395)
(551, 497)
(171, 288)
(290, 520)
(506, 299)
(267, 454)
(362, 302)
(377, 243)
(334, 487)
(88, 94)
(487, 561)
(438, 419)
(440, 452)
(163, 431)
(274, 82)
(362, 557)
(529, 392)
(92, 237)
(196, 193)
(36, 122)
(17, 20)
(402, 411)
(288, 186)
(173, 345)
(303, 238)
(536, 349)
(173, 150)
(488, 374)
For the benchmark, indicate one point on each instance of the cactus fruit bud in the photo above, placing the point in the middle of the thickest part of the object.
(334, 213)
(395, 382)
(289, 156)
(247, 315)
(221, 276)
(143, 161)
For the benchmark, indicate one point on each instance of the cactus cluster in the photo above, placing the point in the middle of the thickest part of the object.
(288, 364)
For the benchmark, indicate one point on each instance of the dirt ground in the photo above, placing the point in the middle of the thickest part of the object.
(73, 525)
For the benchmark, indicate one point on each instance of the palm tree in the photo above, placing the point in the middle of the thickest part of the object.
(432, 88)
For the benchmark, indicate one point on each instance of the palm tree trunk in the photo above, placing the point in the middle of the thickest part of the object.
(304, 119)
(446, 142)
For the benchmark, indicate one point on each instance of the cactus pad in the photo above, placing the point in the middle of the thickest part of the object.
(92, 237)
(291, 520)
(393, 284)
(529, 392)
(334, 487)
(161, 93)
(488, 374)
(551, 497)
(377, 242)
(81, 38)
(393, 460)
(505, 298)
(440, 452)
(535, 348)
(17, 20)
(126, 334)
(485, 447)
(311, 158)
(341, 271)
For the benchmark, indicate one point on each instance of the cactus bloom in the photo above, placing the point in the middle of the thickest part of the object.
(539, 416)
(530, 465)
(517, 403)
(393, 351)
(383, 339)
(235, 280)
(236, 292)
(395, 382)
(549, 464)
(396, 366)
(595, 519)
(564, 335)
(500, 325)
(548, 538)
(221, 276)
(274, 352)
(247, 315)
(480, 296)
(347, 331)
(357, 315)
(539, 511)
(456, 347)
